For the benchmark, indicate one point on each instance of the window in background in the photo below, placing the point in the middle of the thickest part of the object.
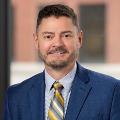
(92, 22)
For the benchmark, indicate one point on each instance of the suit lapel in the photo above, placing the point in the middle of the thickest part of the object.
(37, 98)
(79, 92)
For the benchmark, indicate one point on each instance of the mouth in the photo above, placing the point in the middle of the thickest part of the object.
(58, 51)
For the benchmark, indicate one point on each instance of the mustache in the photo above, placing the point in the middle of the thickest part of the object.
(58, 49)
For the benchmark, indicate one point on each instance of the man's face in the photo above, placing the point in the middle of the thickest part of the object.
(58, 42)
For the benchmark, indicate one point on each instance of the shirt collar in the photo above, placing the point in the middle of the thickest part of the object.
(66, 81)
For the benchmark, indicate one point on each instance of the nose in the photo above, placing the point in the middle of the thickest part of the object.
(57, 42)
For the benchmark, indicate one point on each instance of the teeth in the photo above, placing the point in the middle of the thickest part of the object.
(59, 52)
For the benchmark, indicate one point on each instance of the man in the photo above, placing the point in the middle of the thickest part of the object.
(64, 90)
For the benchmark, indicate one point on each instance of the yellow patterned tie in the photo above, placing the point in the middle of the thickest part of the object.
(56, 109)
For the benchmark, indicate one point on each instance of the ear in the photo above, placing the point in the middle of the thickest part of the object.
(80, 39)
(35, 37)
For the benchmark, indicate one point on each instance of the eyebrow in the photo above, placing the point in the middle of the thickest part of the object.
(47, 33)
(54, 33)
(66, 32)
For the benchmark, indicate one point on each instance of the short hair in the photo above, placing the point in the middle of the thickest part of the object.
(57, 10)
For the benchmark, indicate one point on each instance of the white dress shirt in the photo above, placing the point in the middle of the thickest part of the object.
(66, 81)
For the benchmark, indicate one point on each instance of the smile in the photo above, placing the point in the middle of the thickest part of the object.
(58, 52)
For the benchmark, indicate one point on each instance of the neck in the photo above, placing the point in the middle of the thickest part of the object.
(58, 74)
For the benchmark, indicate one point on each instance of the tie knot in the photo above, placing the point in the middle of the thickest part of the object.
(57, 86)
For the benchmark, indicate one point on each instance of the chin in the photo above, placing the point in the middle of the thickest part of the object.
(58, 65)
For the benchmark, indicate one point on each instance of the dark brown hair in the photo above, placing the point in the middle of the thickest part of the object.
(57, 10)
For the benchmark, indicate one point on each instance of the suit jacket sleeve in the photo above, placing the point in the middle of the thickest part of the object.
(6, 109)
(115, 108)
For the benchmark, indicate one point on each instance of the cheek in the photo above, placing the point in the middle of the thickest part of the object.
(43, 47)
(76, 45)
(72, 46)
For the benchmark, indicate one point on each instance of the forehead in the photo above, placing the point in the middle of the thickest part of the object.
(56, 23)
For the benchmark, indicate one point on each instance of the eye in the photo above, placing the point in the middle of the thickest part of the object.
(67, 35)
(48, 37)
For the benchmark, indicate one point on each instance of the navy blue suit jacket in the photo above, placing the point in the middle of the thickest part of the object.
(94, 96)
